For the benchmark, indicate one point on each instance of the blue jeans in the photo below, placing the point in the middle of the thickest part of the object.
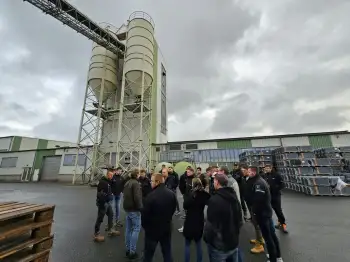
(198, 250)
(117, 206)
(240, 255)
(132, 230)
(221, 256)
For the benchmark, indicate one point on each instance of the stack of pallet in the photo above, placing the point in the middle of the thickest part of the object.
(304, 172)
(256, 158)
(25, 232)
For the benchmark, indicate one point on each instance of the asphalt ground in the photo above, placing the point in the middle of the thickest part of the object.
(319, 227)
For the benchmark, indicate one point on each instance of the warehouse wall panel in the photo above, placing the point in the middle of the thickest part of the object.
(21, 160)
(295, 141)
(29, 143)
(340, 140)
(16, 143)
(208, 145)
(320, 141)
(268, 142)
(5, 143)
(55, 144)
(244, 143)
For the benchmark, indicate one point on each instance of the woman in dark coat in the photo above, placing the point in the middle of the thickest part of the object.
(194, 203)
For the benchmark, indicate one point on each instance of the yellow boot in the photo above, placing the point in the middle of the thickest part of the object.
(257, 249)
(254, 241)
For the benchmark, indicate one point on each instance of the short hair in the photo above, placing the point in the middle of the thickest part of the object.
(134, 173)
(191, 169)
(225, 169)
(142, 170)
(243, 165)
(199, 168)
(208, 169)
(158, 177)
(119, 168)
(222, 179)
(197, 182)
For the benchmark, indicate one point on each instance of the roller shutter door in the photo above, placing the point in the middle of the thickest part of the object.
(51, 168)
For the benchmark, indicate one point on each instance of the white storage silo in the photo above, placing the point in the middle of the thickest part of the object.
(103, 65)
(139, 52)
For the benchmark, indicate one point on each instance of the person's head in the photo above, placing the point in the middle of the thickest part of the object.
(267, 169)
(170, 169)
(134, 174)
(244, 169)
(156, 180)
(213, 170)
(163, 166)
(165, 173)
(197, 183)
(190, 171)
(208, 171)
(110, 171)
(220, 180)
(252, 171)
(235, 166)
(152, 170)
(119, 170)
(223, 170)
(142, 172)
(199, 170)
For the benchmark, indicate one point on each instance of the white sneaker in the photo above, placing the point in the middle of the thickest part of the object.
(279, 259)
(181, 229)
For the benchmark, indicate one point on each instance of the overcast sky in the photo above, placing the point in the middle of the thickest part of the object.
(235, 68)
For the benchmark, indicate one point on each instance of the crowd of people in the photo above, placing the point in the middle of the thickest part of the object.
(216, 204)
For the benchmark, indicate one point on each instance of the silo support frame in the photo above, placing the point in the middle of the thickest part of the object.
(94, 115)
(134, 140)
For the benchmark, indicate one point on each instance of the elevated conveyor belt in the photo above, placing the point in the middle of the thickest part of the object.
(72, 17)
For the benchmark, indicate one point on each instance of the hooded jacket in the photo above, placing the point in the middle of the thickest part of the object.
(104, 191)
(224, 220)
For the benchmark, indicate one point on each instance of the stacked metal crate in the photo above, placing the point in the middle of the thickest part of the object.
(308, 171)
(256, 158)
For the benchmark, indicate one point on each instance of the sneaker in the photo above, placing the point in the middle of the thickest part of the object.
(127, 254)
(279, 259)
(181, 229)
(278, 225)
(133, 256)
(177, 213)
(118, 223)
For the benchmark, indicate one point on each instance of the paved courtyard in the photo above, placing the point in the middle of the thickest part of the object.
(319, 226)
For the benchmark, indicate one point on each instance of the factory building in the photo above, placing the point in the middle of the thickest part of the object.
(32, 159)
(226, 151)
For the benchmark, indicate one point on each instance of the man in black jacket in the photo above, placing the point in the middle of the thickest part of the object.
(275, 182)
(259, 198)
(172, 182)
(157, 216)
(117, 189)
(237, 174)
(103, 201)
(224, 220)
(145, 184)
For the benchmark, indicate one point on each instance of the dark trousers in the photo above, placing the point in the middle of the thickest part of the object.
(102, 211)
(276, 204)
(269, 235)
(151, 245)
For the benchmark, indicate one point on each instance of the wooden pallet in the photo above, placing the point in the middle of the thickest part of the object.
(25, 232)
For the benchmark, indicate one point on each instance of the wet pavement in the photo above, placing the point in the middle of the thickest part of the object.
(319, 226)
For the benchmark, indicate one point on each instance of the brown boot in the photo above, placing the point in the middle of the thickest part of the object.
(113, 233)
(254, 241)
(257, 249)
(99, 238)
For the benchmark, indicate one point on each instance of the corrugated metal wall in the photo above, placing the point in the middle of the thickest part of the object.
(340, 140)
(268, 142)
(234, 144)
(5, 143)
(208, 145)
(320, 141)
(295, 141)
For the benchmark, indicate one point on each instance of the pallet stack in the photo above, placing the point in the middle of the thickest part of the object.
(25, 232)
(309, 171)
(256, 158)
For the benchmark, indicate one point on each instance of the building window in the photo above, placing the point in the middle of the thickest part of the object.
(163, 113)
(157, 149)
(69, 160)
(8, 162)
(175, 147)
(191, 146)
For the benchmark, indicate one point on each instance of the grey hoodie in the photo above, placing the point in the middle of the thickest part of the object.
(233, 183)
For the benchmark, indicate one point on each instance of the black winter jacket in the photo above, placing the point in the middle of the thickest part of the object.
(146, 187)
(258, 197)
(158, 211)
(172, 181)
(185, 185)
(117, 184)
(194, 203)
(275, 182)
(104, 191)
(224, 220)
(132, 199)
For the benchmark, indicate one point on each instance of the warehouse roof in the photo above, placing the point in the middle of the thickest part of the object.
(258, 137)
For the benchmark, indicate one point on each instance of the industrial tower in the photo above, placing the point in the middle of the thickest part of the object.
(124, 109)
